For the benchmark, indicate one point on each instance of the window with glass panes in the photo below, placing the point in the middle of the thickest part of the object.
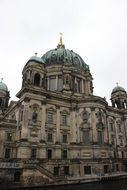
(64, 119)
(56, 170)
(64, 138)
(49, 154)
(87, 170)
(66, 170)
(49, 138)
(7, 153)
(64, 154)
(49, 117)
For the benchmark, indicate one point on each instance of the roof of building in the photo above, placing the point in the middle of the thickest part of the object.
(36, 59)
(63, 56)
(3, 86)
(118, 89)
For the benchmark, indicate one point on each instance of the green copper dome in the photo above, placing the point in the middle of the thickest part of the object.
(63, 56)
(36, 59)
(3, 86)
(118, 89)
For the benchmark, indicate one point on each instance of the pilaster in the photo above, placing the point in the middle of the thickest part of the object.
(58, 124)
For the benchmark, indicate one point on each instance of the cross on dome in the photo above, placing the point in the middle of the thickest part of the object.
(60, 44)
(117, 84)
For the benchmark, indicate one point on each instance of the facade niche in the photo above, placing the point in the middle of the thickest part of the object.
(34, 116)
(35, 109)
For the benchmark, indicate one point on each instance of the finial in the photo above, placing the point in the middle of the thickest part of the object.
(61, 40)
(117, 83)
(35, 53)
(2, 79)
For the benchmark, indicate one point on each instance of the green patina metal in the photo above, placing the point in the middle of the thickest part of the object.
(60, 55)
(37, 59)
(3, 86)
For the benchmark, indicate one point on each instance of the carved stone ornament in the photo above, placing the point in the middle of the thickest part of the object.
(100, 115)
(85, 115)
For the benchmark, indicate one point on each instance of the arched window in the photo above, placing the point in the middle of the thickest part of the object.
(37, 79)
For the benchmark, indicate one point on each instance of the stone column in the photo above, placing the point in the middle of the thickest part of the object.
(43, 121)
(24, 132)
(73, 123)
(86, 87)
(93, 125)
(106, 136)
(89, 91)
(56, 88)
(17, 121)
(58, 124)
(82, 86)
(47, 83)
(77, 127)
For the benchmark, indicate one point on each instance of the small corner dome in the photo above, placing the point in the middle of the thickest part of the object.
(118, 89)
(36, 59)
(63, 56)
(3, 86)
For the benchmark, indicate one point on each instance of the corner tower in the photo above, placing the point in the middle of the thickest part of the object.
(119, 97)
(4, 96)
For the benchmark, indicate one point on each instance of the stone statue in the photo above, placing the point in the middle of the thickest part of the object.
(34, 117)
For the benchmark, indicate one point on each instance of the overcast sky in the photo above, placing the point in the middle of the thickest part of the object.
(95, 29)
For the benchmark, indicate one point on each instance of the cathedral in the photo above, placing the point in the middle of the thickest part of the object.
(59, 132)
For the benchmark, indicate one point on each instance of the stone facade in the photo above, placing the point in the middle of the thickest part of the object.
(58, 131)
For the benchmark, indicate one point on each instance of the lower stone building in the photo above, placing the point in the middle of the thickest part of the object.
(58, 131)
